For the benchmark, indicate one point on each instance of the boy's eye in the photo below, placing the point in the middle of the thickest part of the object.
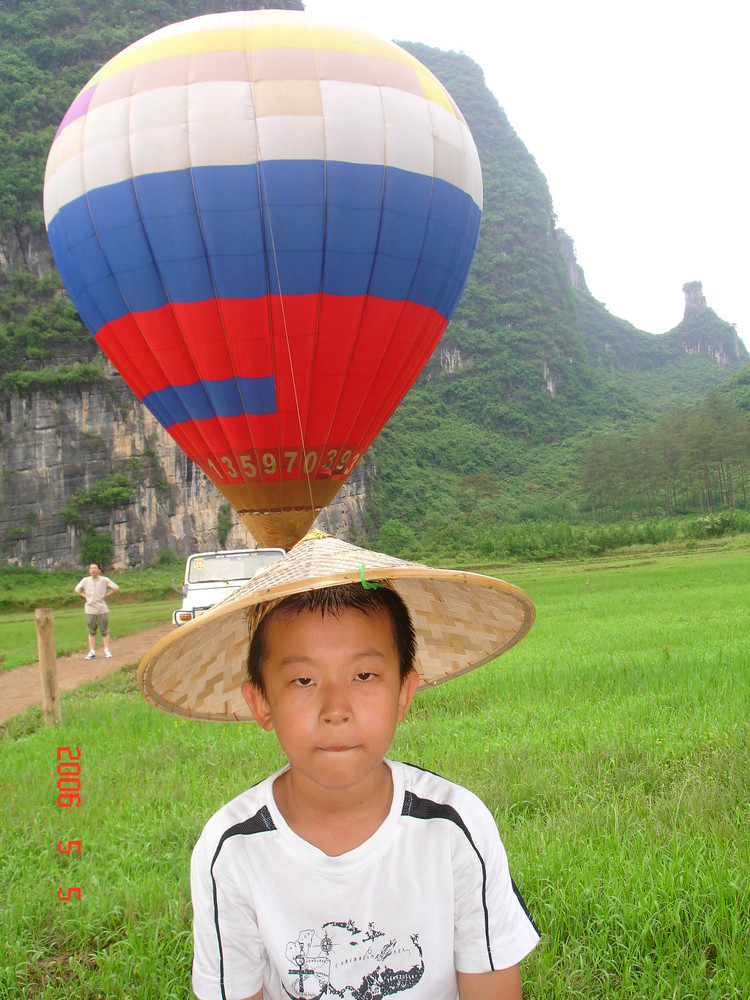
(303, 682)
(366, 675)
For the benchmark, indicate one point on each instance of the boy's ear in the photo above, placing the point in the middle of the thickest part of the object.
(408, 686)
(256, 702)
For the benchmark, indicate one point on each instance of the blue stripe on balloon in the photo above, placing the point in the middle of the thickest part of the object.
(83, 267)
(136, 245)
(231, 397)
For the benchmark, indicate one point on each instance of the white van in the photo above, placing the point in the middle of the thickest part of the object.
(212, 576)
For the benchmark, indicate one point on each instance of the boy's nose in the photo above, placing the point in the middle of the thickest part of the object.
(334, 717)
(335, 706)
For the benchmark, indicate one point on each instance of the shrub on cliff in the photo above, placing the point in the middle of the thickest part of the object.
(109, 493)
(97, 548)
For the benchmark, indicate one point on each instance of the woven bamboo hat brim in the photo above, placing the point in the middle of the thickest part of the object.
(461, 620)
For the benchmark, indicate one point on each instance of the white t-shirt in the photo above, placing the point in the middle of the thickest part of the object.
(430, 892)
(95, 591)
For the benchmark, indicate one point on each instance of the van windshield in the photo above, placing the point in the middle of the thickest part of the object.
(226, 566)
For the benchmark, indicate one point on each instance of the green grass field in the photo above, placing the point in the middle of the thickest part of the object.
(18, 640)
(612, 745)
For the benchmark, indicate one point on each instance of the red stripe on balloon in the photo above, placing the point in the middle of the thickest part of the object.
(340, 366)
(326, 336)
(183, 343)
(413, 339)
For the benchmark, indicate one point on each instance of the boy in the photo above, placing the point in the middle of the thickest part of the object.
(95, 588)
(346, 874)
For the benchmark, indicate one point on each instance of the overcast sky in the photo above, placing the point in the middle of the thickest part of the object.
(637, 114)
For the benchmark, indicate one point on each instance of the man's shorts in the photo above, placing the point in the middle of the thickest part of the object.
(101, 620)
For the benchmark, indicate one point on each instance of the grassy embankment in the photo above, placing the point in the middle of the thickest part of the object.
(612, 745)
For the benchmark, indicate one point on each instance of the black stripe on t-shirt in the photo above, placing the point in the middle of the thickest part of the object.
(427, 809)
(525, 909)
(261, 822)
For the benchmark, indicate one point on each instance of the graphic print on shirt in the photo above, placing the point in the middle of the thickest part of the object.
(341, 960)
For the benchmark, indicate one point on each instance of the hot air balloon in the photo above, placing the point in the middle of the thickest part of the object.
(266, 222)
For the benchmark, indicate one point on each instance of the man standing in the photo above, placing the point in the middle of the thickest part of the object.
(95, 588)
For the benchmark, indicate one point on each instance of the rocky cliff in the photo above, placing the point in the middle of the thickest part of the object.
(704, 333)
(53, 449)
(21, 250)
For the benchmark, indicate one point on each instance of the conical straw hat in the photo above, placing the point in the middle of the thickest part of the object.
(461, 620)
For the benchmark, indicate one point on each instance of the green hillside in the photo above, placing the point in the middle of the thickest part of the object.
(668, 370)
(656, 369)
(737, 389)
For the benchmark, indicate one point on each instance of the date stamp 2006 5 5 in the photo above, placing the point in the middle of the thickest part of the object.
(69, 794)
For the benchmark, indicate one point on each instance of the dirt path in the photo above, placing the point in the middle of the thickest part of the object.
(22, 687)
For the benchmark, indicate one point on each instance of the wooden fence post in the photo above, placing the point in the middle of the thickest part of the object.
(45, 641)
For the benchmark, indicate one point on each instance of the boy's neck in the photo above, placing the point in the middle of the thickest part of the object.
(334, 820)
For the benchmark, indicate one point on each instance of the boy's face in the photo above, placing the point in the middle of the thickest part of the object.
(333, 694)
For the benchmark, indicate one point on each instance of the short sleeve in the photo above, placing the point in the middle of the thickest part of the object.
(226, 943)
(493, 929)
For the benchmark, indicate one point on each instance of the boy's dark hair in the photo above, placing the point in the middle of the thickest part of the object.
(332, 601)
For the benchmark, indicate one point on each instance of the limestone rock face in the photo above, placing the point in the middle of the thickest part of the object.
(702, 332)
(343, 517)
(51, 447)
(451, 359)
(567, 249)
(695, 300)
(24, 251)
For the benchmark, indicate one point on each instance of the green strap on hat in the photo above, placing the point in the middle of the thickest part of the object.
(366, 583)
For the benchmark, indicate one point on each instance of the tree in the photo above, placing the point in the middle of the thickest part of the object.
(224, 523)
(475, 487)
(96, 548)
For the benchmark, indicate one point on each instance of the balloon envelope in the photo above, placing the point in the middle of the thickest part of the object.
(266, 222)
